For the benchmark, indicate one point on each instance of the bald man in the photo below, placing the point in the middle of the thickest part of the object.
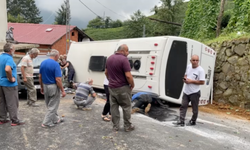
(120, 85)
(194, 77)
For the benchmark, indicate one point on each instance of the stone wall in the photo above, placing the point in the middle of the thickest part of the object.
(232, 74)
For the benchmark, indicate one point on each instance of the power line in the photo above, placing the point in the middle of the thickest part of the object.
(89, 9)
(110, 9)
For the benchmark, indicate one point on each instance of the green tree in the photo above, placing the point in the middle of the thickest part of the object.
(116, 24)
(25, 9)
(62, 13)
(171, 11)
(134, 27)
(96, 23)
(18, 19)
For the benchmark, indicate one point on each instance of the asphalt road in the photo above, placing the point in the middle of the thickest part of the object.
(86, 130)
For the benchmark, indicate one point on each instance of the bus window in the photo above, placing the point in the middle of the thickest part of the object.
(175, 69)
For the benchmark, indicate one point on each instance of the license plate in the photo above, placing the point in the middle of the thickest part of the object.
(37, 86)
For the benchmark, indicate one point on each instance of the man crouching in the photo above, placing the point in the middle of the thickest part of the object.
(85, 95)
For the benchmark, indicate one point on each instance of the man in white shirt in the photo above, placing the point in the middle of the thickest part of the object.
(194, 77)
(27, 73)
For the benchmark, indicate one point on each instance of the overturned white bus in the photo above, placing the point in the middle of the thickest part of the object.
(158, 64)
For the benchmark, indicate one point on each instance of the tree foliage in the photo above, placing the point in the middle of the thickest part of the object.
(240, 19)
(24, 11)
(134, 26)
(201, 18)
(96, 23)
(62, 14)
(171, 11)
(107, 22)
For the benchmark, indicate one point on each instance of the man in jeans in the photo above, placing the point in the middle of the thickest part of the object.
(27, 73)
(51, 84)
(121, 84)
(194, 77)
(9, 101)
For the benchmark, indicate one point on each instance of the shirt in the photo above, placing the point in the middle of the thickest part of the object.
(116, 65)
(83, 90)
(7, 60)
(198, 74)
(50, 69)
(28, 63)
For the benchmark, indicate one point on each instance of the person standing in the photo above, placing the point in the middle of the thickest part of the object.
(27, 73)
(106, 109)
(194, 77)
(121, 84)
(9, 101)
(51, 84)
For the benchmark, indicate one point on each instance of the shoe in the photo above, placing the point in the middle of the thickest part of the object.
(86, 108)
(16, 123)
(4, 121)
(131, 128)
(191, 123)
(33, 105)
(59, 121)
(48, 126)
(115, 129)
(179, 123)
(105, 118)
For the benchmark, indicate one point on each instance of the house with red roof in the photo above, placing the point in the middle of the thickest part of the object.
(47, 36)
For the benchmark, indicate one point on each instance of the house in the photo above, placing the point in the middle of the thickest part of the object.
(4, 28)
(47, 36)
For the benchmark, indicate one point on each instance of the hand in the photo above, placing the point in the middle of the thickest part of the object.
(13, 79)
(188, 81)
(41, 90)
(63, 94)
(131, 87)
(24, 79)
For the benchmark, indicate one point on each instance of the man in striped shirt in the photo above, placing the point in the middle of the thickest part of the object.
(85, 95)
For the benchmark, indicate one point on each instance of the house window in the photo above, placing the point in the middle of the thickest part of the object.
(97, 63)
(73, 33)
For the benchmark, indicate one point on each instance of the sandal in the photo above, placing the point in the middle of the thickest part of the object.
(105, 118)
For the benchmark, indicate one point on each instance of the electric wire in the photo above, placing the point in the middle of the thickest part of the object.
(110, 9)
(90, 9)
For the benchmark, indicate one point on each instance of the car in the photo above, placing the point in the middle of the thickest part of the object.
(36, 65)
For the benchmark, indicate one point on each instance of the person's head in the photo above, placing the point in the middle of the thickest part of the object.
(54, 54)
(89, 81)
(65, 56)
(9, 48)
(123, 49)
(194, 61)
(33, 53)
(11, 28)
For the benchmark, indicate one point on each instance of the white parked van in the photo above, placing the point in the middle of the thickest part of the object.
(158, 64)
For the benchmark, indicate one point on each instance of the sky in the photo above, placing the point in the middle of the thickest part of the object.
(80, 15)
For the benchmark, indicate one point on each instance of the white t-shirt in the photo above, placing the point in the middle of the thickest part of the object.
(28, 63)
(197, 73)
(106, 81)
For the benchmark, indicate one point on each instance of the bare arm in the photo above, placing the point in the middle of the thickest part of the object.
(65, 66)
(23, 73)
(8, 71)
(197, 82)
(106, 73)
(59, 83)
(130, 79)
(41, 83)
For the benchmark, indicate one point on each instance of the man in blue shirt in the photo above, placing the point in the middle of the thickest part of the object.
(8, 87)
(51, 84)
(143, 102)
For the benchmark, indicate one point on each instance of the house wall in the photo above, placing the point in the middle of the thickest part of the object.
(3, 22)
(60, 45)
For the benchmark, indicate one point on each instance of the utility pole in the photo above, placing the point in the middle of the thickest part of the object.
(143, 34)
(67, 26)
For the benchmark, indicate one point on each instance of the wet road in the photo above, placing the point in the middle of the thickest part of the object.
(86, 130)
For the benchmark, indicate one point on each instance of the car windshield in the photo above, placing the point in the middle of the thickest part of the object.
(37, 61)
